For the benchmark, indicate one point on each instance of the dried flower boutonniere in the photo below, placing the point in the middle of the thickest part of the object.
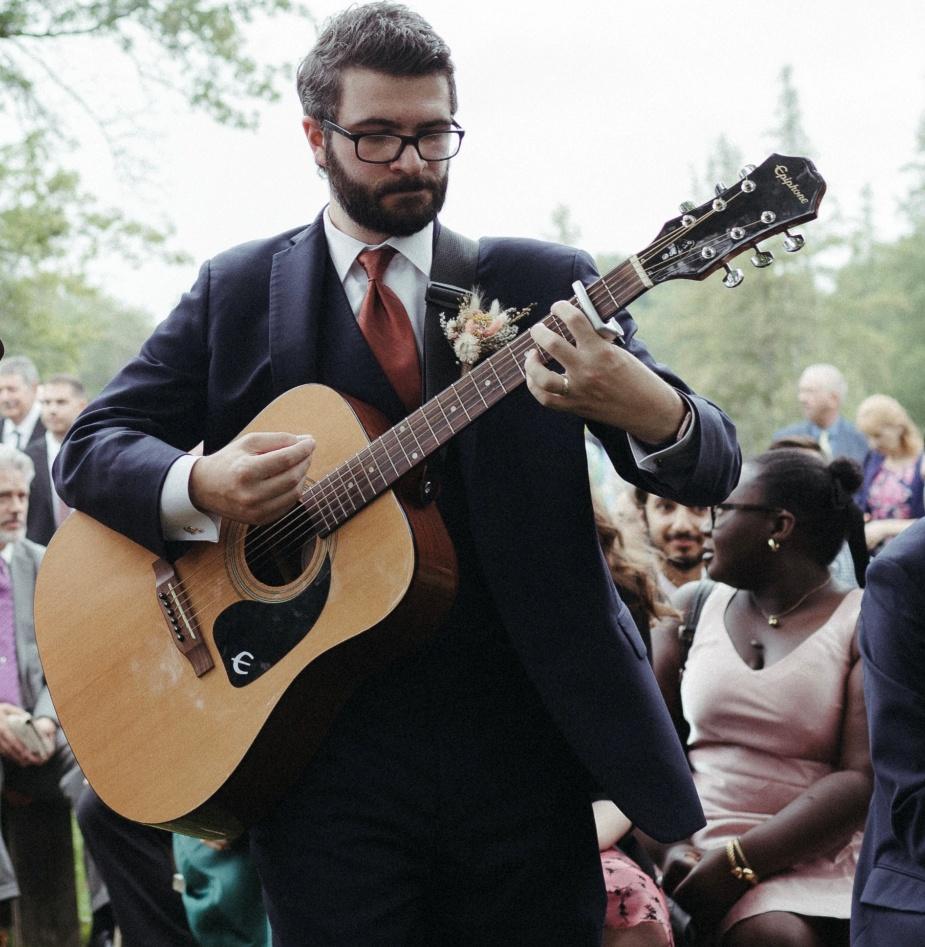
(476, 331)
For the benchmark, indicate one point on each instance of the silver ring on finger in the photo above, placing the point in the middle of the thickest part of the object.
(565, 386)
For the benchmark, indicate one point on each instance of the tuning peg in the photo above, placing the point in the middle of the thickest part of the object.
(687, 207)
(746, 171)
(732, 277)
(719, 188)
(793, 242)
(762, 258)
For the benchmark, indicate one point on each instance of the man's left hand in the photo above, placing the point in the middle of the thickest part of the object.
(601, 381)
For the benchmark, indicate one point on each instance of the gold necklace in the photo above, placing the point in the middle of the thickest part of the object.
(774, 619)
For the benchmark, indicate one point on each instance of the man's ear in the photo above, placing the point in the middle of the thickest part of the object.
(314, 133)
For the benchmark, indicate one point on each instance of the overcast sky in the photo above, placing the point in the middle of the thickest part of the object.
(604, 106)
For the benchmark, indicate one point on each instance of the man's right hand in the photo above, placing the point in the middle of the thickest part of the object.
(254, 479)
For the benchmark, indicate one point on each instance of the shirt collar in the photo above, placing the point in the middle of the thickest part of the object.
(6, 553)
(27, 424)
(418, 249)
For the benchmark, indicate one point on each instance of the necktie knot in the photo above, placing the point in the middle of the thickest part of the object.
(376, 261)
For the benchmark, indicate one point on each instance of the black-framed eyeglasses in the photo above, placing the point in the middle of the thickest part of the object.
(718, 508)
(379, 148)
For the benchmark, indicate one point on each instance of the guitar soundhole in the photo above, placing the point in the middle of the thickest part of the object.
(277, 555)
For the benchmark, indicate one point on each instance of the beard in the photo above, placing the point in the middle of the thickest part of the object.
(685, 563)
(9, 536)
(363, 203)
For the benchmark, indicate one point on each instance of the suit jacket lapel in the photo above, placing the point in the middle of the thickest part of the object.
(22, 574)
(296, 294)
(307, 302)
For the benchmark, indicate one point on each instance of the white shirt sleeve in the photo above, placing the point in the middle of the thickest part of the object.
(650, 462)
(179, 518)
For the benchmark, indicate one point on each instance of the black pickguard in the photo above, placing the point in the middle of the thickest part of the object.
(252, 636)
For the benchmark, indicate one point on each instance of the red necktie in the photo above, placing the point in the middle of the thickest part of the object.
(385, 324)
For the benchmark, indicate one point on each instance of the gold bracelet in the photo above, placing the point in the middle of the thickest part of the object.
(738, 863)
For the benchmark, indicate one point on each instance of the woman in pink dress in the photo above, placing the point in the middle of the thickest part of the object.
(772, 693)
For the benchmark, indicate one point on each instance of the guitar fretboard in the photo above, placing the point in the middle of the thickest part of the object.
(335, 498)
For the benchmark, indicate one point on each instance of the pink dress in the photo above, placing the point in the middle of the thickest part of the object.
(761, 738)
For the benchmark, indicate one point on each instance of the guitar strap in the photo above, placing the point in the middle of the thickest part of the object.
(452, 277)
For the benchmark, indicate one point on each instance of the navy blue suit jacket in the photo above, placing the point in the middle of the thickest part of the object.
(889, 890)
(40, 518)
(253, 326)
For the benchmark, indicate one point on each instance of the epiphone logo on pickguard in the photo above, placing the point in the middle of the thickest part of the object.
(780, 172)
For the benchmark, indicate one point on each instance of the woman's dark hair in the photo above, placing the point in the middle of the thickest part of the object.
(633, 568)
(387, 37)
(820, 496)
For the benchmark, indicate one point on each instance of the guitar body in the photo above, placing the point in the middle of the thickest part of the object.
(206, 754)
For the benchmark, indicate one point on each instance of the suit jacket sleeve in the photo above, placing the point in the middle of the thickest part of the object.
(893, 646)
(115, 458)
(707, 469)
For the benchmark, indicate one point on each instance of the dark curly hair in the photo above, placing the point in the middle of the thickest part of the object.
(821, 497)
(387, 37)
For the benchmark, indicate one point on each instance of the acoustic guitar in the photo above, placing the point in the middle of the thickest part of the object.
(193, 692)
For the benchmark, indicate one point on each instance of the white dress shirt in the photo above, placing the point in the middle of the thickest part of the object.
(24, 428)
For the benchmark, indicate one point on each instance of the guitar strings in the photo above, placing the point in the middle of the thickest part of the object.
(289, 527)
(324, 491)
(285, 529)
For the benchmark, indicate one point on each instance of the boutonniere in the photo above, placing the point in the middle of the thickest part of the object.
(476, 331)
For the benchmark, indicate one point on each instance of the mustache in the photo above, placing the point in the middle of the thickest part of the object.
(406, 185)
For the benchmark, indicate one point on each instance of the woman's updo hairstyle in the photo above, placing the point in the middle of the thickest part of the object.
(821, 497)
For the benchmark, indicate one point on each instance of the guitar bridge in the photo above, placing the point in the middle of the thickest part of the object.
(181, 622)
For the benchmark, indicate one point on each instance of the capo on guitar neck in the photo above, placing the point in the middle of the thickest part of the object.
(610, 330)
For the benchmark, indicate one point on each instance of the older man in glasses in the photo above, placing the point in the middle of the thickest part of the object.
(449, 802)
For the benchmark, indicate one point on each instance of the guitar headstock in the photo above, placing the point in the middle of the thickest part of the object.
(779, 194)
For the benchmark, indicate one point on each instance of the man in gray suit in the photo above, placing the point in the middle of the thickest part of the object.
(35, 760)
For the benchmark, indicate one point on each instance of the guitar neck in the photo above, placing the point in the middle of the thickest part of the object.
(348, 488)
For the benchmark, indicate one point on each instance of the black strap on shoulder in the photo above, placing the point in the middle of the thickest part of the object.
(452, 277)
(688, 625)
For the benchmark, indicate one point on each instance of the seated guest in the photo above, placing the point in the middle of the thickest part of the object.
(891, 495)
(842, 567)
(772, 693)
(889, 889)
(35, 760)
(637, 913)
(676, 534)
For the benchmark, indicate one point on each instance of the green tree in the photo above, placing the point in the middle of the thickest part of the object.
(50, 227)
(197, 48)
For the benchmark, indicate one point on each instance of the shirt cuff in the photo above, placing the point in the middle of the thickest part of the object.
(649, 460)
(179, 518)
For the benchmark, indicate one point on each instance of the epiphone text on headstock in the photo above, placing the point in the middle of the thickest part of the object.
(780, 172)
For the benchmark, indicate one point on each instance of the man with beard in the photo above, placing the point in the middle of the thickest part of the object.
(449, 801)
(675, 532)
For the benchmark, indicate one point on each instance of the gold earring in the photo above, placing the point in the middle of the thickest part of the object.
(774, 544)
